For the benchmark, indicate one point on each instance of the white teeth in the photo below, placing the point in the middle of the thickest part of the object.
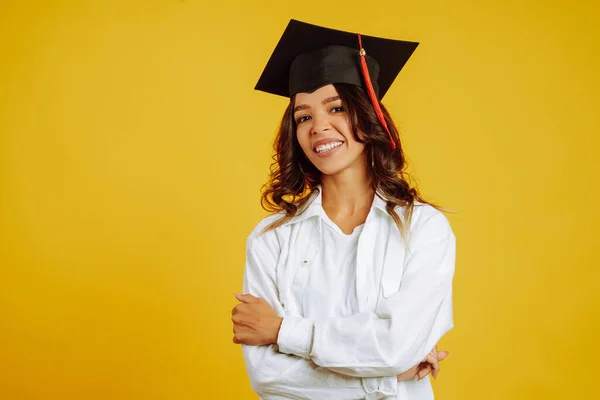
(326, 147)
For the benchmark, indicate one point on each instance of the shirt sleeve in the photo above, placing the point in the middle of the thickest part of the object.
(406, 326)
(274, 375)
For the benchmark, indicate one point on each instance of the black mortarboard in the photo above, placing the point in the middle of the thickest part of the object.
(310, 56)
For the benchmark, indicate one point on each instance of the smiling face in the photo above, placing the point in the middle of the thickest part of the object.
(324, 132)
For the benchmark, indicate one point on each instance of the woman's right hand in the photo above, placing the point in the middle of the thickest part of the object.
(429, 365)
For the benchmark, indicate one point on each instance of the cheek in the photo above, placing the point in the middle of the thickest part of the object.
(302, 134)
(360, 148)
(354, 146)
(342, 125)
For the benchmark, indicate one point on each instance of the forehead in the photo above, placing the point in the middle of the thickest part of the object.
(317, 96)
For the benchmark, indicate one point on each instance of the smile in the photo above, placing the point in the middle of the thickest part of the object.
(327, 147)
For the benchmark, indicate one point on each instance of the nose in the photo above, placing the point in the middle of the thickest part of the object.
(321, 124)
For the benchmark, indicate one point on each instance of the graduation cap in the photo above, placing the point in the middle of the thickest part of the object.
(308, 57)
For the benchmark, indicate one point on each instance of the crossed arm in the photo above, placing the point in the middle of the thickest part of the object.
(291, 355)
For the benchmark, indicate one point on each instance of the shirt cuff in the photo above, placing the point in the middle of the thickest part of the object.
(296, 336)
(381, 387)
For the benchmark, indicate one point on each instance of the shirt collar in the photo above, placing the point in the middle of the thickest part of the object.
(380, 203)
(311, 208)
(314, 206)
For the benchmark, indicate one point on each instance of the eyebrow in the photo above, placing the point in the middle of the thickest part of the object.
(326, 101)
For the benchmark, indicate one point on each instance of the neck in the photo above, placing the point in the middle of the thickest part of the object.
(347, 192)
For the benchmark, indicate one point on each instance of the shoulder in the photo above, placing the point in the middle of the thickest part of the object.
(428, 225)
(265, 239)
(259, 230)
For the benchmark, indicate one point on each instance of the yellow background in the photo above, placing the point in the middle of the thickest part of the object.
(133, 147)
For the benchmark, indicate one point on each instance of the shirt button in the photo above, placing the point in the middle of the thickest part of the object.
(282, 304)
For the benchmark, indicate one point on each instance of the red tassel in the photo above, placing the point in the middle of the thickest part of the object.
(371, 91)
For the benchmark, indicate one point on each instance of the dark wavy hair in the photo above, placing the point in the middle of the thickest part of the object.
(293, 177)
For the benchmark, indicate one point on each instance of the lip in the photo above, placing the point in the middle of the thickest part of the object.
(325, 141)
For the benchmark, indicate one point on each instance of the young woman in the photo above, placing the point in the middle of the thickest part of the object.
(348, 285)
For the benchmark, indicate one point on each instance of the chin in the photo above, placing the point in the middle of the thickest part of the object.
(331, 168)
(338, 162)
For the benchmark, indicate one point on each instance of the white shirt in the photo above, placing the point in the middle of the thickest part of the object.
(331, 289)
(350, 327)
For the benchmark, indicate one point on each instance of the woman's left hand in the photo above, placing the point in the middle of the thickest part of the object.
(429, 365)
(255, 322)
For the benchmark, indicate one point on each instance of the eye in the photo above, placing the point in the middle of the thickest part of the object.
(337, 109)
(302, 119)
